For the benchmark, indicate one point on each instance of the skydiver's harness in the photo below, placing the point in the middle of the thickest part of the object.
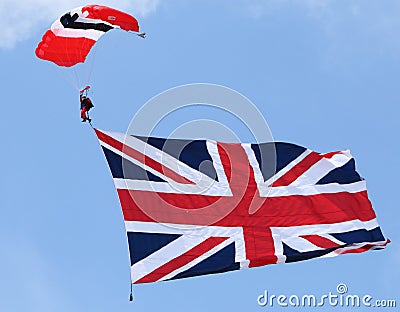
(86, 103)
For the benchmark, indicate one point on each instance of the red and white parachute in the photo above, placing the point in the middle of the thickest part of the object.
(71, 37)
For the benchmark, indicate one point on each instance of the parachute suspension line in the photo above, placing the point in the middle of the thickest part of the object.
(92, 63)
(61, 72)
(76, 78)
(81, 56)
(65, 78)
(73, 68)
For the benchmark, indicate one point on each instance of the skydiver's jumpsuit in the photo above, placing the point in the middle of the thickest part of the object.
(86, 105)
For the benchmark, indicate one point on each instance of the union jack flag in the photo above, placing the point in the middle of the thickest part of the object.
(202, 207)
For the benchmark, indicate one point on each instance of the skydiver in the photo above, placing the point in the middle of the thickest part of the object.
(86, 105)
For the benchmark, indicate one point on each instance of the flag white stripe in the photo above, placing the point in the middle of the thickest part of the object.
(183, 229)
(164, 255)
(216, 189)
(300, 244)
(278, 191)
(322, 168)
(264, 187)
(198, 259)
(283, 234)
(339, 251)
(289, 167)
(212, 148)
(163, 158)
(320, 229)
(136, 162)
(204, 186)
(171, 187)
(254, 164)
(199, 230)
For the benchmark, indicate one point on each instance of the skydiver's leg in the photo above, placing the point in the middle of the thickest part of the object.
(83, 114)
(88, 118)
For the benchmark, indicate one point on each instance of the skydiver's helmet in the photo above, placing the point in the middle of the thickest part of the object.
(83, 97)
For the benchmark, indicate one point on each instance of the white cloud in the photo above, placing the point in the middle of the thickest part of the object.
(21, 19)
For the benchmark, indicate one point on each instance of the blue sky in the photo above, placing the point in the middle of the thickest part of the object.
(324, 74)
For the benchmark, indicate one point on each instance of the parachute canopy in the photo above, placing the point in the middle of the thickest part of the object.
(71, 37)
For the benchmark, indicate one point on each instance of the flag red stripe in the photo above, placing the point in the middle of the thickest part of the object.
(298, 170)
(142, 158)
(357, 250)
(364, 248)
(260, 249)
(331, 154)
(182, 260)
(320, 241)
(277, 211)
